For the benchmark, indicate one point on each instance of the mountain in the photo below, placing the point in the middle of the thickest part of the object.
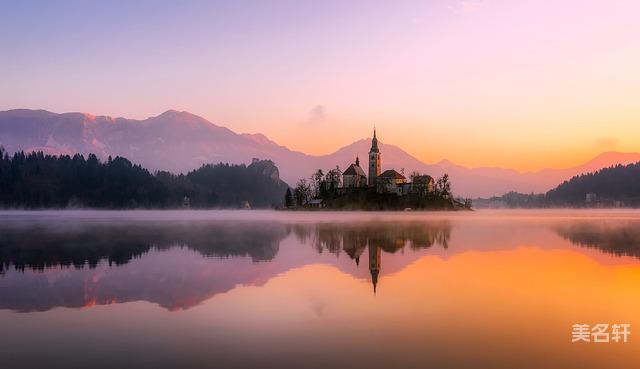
(481, 181)
(173, 141)
(180, 141)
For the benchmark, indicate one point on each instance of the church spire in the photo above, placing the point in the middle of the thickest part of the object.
(374, 160)
(374, 142)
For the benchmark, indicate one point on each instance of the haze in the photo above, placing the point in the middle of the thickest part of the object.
(520, 84)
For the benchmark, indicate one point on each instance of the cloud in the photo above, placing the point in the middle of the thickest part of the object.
(465, 6)
(606, 143)
(317, 115)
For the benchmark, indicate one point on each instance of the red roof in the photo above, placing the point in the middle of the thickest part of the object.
(391, 173)
(354, 170)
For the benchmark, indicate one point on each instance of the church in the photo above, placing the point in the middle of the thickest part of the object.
(388, 182)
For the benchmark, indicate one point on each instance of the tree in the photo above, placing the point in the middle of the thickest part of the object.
(413, 175)
(289, 201)
(443, 186)
(334, 177)
(302, 192)
(38, 180)
(316, 182)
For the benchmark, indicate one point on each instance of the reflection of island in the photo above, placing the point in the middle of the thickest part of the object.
(178, 264)
(168, 263)
(619, 238)
(353, 239)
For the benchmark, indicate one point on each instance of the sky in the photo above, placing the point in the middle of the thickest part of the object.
(518, 84)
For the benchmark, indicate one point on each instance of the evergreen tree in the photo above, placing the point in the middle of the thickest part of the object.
(289, 201)
(37, 180)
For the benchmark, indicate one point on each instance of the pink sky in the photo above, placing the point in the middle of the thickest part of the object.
(521, 84)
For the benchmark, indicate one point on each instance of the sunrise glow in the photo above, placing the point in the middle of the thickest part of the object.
(521, 84)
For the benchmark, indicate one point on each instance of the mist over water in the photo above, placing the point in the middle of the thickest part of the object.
(203, 289)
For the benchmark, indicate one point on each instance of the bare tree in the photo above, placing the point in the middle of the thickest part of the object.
(334, 177)
(413, 175)
(443, 186)
(316, 182)
(302, 192)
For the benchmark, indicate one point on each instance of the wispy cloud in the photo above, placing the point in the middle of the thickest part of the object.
(465, 6)
(606, 143)
(317, 115)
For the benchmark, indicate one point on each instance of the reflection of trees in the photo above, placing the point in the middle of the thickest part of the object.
(353, 238)
(39, 247)
(621, 238)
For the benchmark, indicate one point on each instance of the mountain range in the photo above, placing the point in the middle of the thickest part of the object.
(181, 141)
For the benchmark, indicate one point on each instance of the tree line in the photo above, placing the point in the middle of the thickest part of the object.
(37, 180)
(618, 185)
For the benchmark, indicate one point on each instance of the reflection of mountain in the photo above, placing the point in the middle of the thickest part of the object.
(179, 264)
(619, 238)
(83, 265)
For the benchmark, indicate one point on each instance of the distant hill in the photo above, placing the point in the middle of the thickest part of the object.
(179, 141)
(618, 183)
(614, 186)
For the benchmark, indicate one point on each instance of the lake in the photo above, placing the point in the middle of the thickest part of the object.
(266, 289)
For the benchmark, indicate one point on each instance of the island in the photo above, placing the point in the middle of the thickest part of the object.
(388, 190)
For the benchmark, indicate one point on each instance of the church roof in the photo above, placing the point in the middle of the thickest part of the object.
(354, 170)
(391, 173)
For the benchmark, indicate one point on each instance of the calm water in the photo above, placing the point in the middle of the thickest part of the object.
(346, 290)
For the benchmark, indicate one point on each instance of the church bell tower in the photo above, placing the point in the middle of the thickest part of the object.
(374, 160)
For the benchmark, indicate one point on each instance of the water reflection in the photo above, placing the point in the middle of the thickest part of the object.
(376, 237)
(620, 238)
(179, 264)
(278, 292)
(43, 247)
(78, 266)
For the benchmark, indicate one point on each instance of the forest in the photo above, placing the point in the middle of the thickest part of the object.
(616, 186)
(37, 180)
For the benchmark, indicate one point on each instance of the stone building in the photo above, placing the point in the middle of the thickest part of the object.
(390, 181)
(422, 185)
(354, 176)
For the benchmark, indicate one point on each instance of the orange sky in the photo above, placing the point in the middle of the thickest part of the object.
(521, 84)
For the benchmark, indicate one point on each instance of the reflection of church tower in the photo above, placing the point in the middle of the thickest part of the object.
(374, 264)
(374, 160)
